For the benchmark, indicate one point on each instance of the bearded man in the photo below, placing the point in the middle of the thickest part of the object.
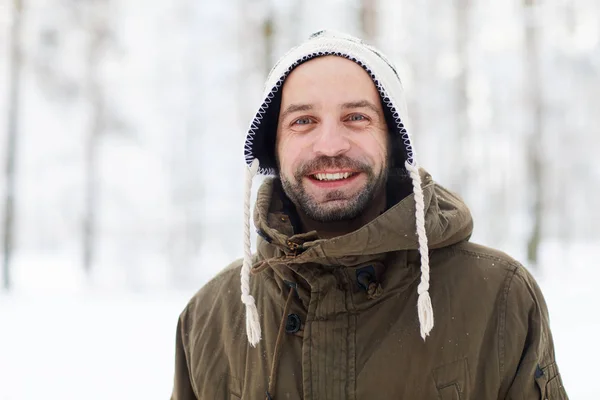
(358, 250)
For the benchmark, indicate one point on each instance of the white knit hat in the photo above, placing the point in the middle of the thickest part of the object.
(259, 148)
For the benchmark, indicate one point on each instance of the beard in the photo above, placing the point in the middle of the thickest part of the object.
(337, 205)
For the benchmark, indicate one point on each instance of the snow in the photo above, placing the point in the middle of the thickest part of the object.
(101, 345)
(570, 285)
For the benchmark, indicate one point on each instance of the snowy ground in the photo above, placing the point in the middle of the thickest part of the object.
(88, 346)
(117, 345)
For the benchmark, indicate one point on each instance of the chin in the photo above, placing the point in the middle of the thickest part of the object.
(334, 211)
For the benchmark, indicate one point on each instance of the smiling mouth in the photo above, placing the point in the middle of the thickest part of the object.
(332, 177)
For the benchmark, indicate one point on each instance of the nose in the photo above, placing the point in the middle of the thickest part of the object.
(331, 140)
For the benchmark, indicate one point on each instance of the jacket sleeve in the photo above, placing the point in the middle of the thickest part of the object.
(527, 350)
(182, 387)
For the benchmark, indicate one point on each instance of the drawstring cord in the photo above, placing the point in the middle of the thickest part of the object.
(276, 355)
(424, 307)
(252, 321)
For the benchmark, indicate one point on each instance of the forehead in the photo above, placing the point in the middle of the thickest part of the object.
(328, 78)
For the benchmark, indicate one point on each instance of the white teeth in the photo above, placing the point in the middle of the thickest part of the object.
(332, 177)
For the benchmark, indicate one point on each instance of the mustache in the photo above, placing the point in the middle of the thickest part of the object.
(338, 162)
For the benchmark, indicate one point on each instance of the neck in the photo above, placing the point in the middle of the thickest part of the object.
(327, 230)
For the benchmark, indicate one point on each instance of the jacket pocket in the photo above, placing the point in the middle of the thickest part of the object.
(452, 380)
(450, 392)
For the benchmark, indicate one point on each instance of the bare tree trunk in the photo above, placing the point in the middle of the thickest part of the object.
(296, 23)
(190, 195)
(565, 226)
(420, 58)
(534, 146)
(98, 37)
(462, 13)
(368, 20)
(268, 35)
(14, 93)
(570, 15)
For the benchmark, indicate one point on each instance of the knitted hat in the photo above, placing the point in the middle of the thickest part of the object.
(259, 148)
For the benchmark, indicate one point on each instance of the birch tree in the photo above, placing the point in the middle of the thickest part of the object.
(368, 20)
(461, 98)
(98, 31)
(535, 137)
(14, 97)
(268, 32)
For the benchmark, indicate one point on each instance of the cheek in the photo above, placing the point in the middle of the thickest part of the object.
(375, 146)
(287, 154)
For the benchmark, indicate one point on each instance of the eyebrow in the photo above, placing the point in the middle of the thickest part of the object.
(294, 108)
(362, 104)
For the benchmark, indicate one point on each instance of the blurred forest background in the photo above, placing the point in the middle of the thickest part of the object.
(122, 127)
(123, 122)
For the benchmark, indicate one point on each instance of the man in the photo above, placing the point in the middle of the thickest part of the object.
(358, 248)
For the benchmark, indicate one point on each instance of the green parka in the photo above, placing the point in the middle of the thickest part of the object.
(339, 316)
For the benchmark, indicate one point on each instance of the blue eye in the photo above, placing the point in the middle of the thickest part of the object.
(357, 117)
(302, 121)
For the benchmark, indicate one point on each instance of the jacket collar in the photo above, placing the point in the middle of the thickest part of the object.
(447, 221)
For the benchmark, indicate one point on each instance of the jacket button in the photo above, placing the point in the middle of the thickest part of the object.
(293, 323)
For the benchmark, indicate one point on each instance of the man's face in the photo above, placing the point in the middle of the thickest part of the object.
(331, 139)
